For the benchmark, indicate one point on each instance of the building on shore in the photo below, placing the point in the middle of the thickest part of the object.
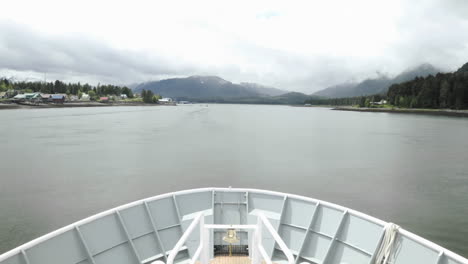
(58, 98)
(85, 97)
(30, 97)
(19, 97)
(166, 100)
(10, 93)
(104, 99)
(381, 102)
(46, 98)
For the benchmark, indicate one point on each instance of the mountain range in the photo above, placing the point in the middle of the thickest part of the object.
(377, 85)
(215, 89)
(206, 87)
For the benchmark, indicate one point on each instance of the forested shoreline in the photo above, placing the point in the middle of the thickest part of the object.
(442, 91)
(59, 87)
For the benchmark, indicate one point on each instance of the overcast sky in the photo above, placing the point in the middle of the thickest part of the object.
(293, 45)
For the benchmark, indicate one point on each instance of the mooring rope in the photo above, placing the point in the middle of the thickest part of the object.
(387, 245)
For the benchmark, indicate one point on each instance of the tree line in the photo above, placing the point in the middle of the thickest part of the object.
(149, 97)
(361, 101)
(64, 88)
(444, 90)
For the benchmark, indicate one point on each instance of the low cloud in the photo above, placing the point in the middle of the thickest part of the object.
(285, 45)
(69, 56)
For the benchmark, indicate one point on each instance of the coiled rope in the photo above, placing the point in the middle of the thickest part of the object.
(387, 245)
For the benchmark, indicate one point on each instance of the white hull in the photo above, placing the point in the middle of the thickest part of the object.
(147, 230)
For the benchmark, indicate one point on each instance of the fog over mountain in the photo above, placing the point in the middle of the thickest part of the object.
(378, 85)
(262, 89)
(302, 46)
(198, 87)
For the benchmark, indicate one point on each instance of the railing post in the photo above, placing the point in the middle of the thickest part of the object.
(184, 237)
(256, 241)
(287, 252)
(204, 242)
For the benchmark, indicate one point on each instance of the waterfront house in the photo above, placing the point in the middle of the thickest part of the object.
(381, 102)
(85, 97)
(123, 96)
(3, 95)
(46, 98)
(58, 98)
(10, 93)
(73, 97)
(32, 96)
(165, 100)
(19, 97)
(104, 99)
(27, 97)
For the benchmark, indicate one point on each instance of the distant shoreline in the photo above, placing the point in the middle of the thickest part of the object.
(434, 112)
(437, 112)
(68, 105)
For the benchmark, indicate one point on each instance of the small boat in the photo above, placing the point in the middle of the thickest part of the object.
(233, 226)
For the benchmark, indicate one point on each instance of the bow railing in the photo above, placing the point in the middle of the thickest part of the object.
(258, 254)
(202, 253)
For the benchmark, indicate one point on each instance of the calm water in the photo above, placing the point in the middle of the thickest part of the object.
(58, 166)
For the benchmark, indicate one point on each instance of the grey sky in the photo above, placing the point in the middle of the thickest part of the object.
(299, 45)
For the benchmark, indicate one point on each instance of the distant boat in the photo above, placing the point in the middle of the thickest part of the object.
(229, 225)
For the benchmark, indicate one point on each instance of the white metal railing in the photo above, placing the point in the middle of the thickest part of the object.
(199, 253)
(257, 252)
(417, 239)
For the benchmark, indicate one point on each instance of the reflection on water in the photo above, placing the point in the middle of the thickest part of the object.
(61, 165)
